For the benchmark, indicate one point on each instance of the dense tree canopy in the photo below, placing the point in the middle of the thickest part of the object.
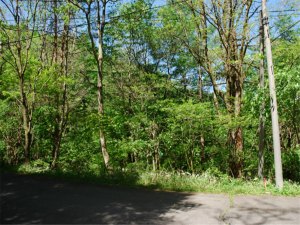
(100, 84)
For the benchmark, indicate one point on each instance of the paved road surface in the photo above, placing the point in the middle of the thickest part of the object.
(30, 199)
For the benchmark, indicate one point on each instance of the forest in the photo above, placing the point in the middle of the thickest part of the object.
(99, 85)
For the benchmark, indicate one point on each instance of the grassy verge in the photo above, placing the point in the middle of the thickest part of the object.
(162, 180)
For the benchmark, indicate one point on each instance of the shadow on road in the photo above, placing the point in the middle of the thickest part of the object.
(30, 199)
(264, 210)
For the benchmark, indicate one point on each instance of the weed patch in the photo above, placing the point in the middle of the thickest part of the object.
(163, 180)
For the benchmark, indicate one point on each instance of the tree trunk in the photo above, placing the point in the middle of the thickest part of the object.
(191, 157)
(201, 100)
(19, 48)
(235, 135)
(153, 162)
(147, 155)
(236, 162)
(27, 144)
(101, 25)
(26, 120)
(216, 103)
(60, 120)
(202, 147)
(122, 93)
(200, 83)
(101, 110)
(135, 156)
(56, 101)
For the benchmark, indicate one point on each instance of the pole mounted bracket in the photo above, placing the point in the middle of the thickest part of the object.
(265, 21)
(261, 29)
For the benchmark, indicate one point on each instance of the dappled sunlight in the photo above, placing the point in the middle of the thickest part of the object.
(77, 202)
(264, 210)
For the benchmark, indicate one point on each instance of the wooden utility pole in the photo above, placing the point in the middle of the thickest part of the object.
(261, 85)
(274, 113)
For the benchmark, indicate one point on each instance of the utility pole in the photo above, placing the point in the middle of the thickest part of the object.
(274, 113)
(261, 85)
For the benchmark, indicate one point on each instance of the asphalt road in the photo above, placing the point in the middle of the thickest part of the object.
(39, 200)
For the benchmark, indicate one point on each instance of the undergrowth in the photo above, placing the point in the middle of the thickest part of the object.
(207, 182)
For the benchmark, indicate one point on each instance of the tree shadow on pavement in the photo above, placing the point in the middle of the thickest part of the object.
(31, 199)
(264, 210)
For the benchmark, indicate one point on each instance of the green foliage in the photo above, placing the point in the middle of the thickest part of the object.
(211, 181)
(11, 137)
(154, 118)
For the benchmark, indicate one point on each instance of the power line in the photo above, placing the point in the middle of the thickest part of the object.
(120, 16)
(107, 16)
(80, 25)
(155, 7)
(123, 15)
(286, 30)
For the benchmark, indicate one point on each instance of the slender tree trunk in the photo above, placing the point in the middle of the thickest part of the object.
(200, 84)
(122, 93)
(202, 147)
(54, 57)
(56, 98)
(201, 100)
(289, 138)
(19, 53)
(155, 146)
(101, 25)
(101, 109)
(216, 103)
(21, 71)
(135, 156)
(60, 120)
(191, 158)
(153, 162)
(27, 144)
(26, 121)
(147, 155)
(185, 152)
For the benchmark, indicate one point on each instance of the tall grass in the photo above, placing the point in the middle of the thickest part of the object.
(207, 182)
